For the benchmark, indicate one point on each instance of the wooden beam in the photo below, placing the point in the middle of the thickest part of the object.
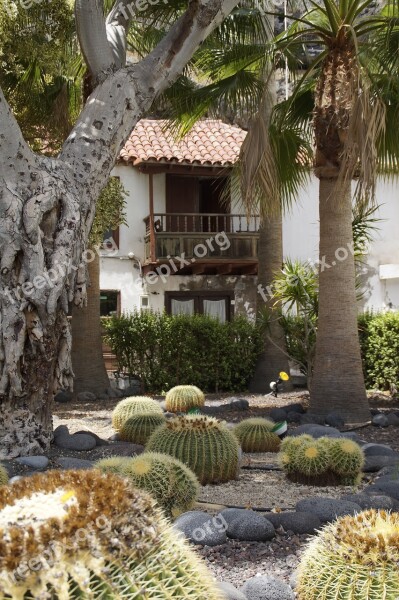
(248, 270)
(198, 268)
(188, 170)
(151, 210)
(224, 269)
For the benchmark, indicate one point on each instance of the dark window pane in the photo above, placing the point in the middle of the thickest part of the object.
(108, 303)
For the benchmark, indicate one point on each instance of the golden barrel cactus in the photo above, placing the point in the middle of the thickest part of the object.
(135, 405)
(183, 398)
(84, 534)
(202, 443)
(356, 557)
(255, 435)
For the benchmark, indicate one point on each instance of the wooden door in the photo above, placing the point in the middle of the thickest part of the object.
(182, 197)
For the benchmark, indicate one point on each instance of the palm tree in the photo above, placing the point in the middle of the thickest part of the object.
(352, 101)
(235, 77)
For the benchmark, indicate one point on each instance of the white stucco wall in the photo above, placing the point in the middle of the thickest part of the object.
(300, 238)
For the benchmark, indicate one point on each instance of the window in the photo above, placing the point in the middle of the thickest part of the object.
(109, 303)
(213, 304)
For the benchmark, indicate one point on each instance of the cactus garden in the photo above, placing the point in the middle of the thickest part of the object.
(278, 514)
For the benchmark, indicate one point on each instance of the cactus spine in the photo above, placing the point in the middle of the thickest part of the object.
(255, 435)
(167, 479)
(346, 457)
(326, 461)
(138, 429)
(354, 557)
(91, 535)
(182, 398)
(202, 443)
(135, 405)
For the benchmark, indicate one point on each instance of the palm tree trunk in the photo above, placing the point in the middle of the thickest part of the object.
(338, 382)
(274, 358)
(87, 356)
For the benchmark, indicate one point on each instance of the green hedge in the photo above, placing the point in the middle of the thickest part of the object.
(379, 340)
(164, 351)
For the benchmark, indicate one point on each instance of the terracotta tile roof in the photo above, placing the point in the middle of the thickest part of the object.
(210, 142)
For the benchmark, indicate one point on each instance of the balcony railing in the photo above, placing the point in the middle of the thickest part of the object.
(225, 236)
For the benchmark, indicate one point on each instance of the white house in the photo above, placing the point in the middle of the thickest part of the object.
(187, 249)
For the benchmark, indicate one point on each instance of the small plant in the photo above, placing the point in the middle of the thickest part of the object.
(312, 458)
(3, 476)
(326, 461)
(91, 535)
(202, 443)
(139, 428)
(135, 405)
(255, 435)
(354, 557)
(346, 457)
(173, 485)
(183, 398)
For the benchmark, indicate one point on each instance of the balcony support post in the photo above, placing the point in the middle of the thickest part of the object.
(151, 209)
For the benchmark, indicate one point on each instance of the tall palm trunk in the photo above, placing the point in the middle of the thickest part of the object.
(87, 356)
(338, 382)
(270, 256)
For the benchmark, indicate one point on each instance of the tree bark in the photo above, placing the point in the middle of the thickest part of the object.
(90, 374)
(270, 259)
(46, 211)
(338, 382)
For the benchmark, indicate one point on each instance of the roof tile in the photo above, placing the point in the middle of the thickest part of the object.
(209, 142)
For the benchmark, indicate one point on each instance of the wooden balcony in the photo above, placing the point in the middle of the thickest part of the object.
(208, 243)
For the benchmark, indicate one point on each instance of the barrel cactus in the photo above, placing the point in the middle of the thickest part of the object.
(167, 479)
(113, 464)
(183, 398)
(346, 457)
(138, 429)
(312, 458)
(83, 534)
(354, 557)
(135, 405)
(202, 443)
(3, 476)
(255, 435)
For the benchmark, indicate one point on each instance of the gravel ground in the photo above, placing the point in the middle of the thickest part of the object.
(255, 488)
(238, 561)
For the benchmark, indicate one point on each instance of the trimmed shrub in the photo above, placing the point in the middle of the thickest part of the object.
(202, 443)
(255, 435)
(164, 351)
(183, 398)
(354, 557)
(119, 545)
(173, 485)
(379, 338)
(139, 428)
(135, 405)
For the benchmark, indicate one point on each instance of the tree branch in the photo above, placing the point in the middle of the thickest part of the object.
(13, 148)
(92, 35)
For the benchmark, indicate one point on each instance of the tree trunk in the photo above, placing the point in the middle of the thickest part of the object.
(88, 365)
(47, 208)
(338, 382)
(270, 259)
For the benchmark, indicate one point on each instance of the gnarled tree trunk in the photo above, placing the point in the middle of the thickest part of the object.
(46, 212)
